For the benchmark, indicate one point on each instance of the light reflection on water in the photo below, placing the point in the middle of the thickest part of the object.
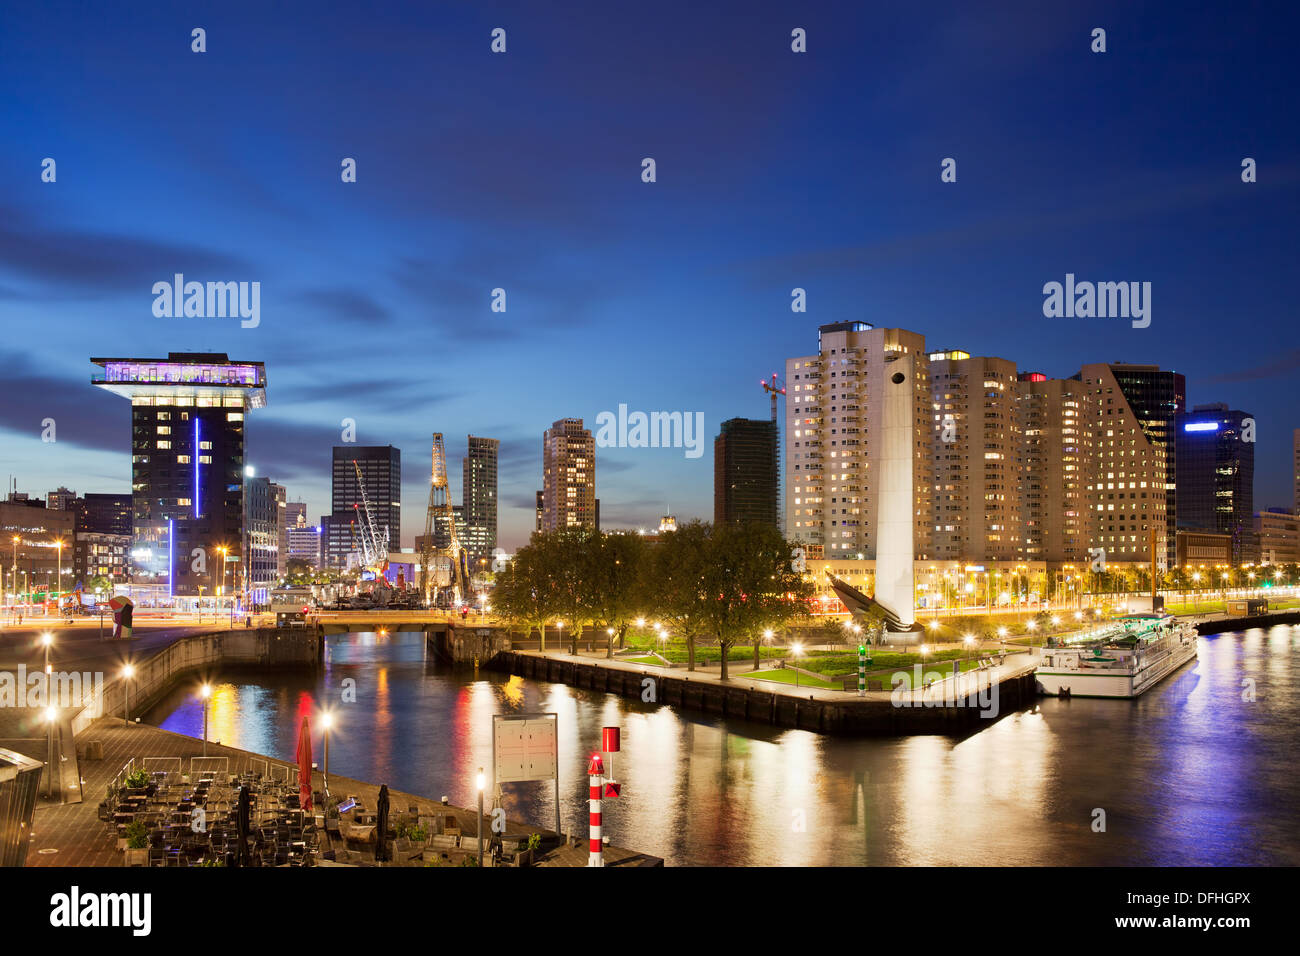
(1189, 774)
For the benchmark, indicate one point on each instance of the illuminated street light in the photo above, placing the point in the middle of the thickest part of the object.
(326, 722)
(796, 649)
(480, 783)
(206, 693)
(128, 672)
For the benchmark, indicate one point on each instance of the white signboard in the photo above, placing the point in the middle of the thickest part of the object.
(524, 748)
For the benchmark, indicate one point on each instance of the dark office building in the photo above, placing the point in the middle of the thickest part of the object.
(1216, 477)
(479, 492)
(187, 461)
(1157, 397)
(381, 477)
(103, 513)
(745, 472)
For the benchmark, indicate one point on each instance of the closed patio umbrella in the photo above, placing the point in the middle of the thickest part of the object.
(381, 827)
(242, 816)
(304, 765)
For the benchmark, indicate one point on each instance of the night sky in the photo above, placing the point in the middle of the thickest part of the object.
(522, 171)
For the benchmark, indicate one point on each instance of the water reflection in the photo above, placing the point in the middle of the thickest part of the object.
(1192, 773)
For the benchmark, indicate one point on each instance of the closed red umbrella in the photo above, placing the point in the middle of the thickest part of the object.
(304, 765)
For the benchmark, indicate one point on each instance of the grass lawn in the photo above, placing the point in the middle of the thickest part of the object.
(836, 664)
(643, 660)
(938, 673)
(787, 676)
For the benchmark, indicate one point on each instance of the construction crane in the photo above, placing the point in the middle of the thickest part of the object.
(440, 508)
(374, 547)
(775, 389)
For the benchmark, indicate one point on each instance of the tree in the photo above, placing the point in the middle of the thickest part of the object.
(569, 564)
(299, 571)
(523, 594)
(749, 584)
(675, 581)
(618, 582)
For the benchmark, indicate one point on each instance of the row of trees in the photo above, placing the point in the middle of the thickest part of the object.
(728, 584)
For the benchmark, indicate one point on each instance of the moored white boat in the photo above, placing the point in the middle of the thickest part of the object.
(1123, 660)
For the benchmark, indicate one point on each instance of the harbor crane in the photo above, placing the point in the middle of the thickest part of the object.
(374, 546)
(775, 388)
(452, 554)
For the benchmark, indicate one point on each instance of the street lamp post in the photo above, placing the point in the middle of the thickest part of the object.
(14, 574)
(796, 649)
(479, 782)
(128, 672)
(51, 714)
(58, 603)
(206, 692)
(326, 721)
(47, 639)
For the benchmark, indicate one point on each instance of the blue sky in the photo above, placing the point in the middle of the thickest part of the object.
(522, 171)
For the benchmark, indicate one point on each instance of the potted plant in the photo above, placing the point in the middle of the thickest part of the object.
(138, 784)
(525, 856)
(418, 836)
(137, 843)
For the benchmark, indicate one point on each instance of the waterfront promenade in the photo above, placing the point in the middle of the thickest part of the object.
(73, 835)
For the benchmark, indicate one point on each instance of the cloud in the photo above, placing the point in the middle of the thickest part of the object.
(347, 305)
(69, 259)
(1283, 365)
(84, 416)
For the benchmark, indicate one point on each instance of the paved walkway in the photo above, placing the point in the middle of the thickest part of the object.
(77, 646)
(80, 838)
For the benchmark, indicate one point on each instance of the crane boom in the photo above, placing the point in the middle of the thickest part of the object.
(440, 508)
(374, 547)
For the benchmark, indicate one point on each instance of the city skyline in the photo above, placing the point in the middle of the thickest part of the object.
(385, 317)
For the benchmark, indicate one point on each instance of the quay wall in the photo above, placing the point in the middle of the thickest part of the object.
(1269, 619)
(199, 654)
(851, 716)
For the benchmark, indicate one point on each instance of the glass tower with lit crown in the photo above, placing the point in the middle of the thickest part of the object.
(187, 464)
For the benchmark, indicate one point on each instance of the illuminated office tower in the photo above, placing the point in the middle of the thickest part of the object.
(187, 463)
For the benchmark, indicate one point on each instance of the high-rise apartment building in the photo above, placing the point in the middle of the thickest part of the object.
(263, 530)
(1132, 487)
(835, 438)
(61, 500)
(1216, 476)
(568, 476)
(187, 460)
(1055, 460)
(479, 494)
(976, 447)
(1278, 532)
(745, 472)
(380, 469)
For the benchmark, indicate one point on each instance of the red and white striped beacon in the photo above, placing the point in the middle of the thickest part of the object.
(610, 741)
(594, 774)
